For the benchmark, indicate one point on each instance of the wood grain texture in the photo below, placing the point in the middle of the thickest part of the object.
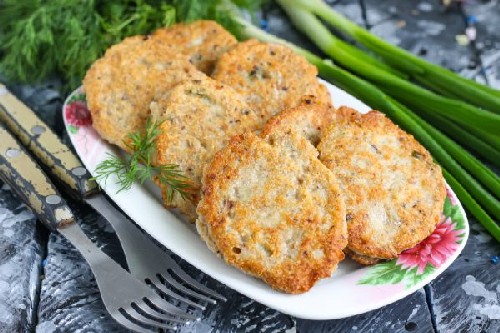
(424, 28)
(407, 315)
(488, 43)
(21, 246)
(69, 297)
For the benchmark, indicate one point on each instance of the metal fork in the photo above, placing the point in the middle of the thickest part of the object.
(148, 262)
(129, 301)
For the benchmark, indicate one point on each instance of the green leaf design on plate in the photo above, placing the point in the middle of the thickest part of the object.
(412, 277)
(384, 273)
(455, 215)
(72, 129)
(77, 97)
(406, 269)
(391, 273)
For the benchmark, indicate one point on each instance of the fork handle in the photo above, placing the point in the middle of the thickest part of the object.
(25, 177)
(42, 142)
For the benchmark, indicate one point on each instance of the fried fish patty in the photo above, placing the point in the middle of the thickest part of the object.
(271, 77)
(309, 118)
(270, 208)
(202, 41)
(394, 192)
(198, 118)
(120, 85)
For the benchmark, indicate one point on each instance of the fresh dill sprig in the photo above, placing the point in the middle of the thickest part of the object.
(40, 38)
(138, 166)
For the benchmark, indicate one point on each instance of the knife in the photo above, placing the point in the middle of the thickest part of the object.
(142, 255)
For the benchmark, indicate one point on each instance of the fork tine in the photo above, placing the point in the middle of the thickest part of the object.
(170, 279)
(160, 286)
(160, 316)
(150, 322)
(162, 306)
(193, 283)
(126, 322)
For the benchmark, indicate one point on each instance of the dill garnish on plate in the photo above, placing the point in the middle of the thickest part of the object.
(139, 165)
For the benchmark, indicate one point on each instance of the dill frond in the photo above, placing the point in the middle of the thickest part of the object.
(40, 38)
(138, 166)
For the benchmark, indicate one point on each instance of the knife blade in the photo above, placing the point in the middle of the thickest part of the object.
(63, 164)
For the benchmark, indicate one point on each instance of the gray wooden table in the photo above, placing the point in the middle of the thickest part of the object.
(45, 285)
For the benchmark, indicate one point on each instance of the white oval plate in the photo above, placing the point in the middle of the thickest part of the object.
(351, 290)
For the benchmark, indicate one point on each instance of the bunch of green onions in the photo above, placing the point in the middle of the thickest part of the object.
(443, 108)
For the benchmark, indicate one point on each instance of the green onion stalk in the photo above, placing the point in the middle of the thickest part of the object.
(473, 206)
(484, 175)
(489, 151)
(471, 193)
(435, 77)
(480, 121)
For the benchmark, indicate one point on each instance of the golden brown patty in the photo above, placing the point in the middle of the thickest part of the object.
(121, 85)
(308, 118)
(271, 76)
(271, 209)
(394, 192)
(202, 41)
(198, 119)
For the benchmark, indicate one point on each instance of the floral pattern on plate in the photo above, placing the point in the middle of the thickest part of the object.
(416, 264)
(76, 113)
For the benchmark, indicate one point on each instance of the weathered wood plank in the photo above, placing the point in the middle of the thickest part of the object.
(488, 41)
(407, 315)
(69, 298)
(423, 27)
(21, 247)
(22, 241)
(466, 297)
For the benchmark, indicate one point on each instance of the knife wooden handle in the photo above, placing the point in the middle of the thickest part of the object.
(42, 142)
(25, 177)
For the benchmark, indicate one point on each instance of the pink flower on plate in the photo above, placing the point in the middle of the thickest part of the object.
(434, 250)
(77, 114)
